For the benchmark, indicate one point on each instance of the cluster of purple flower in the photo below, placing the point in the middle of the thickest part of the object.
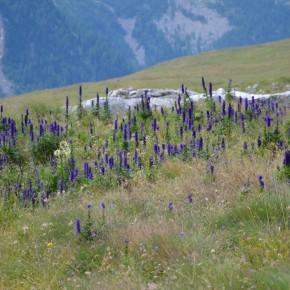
(145, 137)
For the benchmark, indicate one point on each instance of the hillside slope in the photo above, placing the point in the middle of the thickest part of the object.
(52, 43)
(266, 65)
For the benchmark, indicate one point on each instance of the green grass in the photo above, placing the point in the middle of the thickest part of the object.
(263, 65)
(228, 238)
(233, 235)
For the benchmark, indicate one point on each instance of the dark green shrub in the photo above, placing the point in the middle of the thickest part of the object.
(43, 149)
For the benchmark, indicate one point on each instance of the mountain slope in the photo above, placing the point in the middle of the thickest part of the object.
(265, 65)
(52, 43)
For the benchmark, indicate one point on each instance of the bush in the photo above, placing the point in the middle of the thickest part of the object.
(42, 150)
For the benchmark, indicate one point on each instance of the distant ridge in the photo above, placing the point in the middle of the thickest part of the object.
(55, 43)
(263, 68)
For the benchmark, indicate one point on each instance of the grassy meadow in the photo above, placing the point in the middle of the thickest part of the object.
(190, 197)
(265, 65)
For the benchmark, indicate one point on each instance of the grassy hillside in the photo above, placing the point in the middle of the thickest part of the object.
(263, 65)
(191, 198)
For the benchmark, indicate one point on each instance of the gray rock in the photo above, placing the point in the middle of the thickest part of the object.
(120, 100)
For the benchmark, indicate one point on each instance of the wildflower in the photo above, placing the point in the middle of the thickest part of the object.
(259, 142)
(170, 206)
(25, 229)
(78, 226)
(44, 225)
(66, 106)
(126, 242)
(203, 84)
(80, 91)
(189, 198)
(211, 169)
(268, 121)
(210, 89)
(261, 181)
(223, 144)
(182, 89)
(286, 160)
(245, 146)
(50, 244)
(102, 205)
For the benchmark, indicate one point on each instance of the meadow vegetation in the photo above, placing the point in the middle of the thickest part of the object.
(190, 197)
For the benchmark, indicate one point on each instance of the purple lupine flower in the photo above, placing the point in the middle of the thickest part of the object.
(181, 132)
(41, 130)
(126, 242)
(170, 206)
(33, 200)
(261, 181)
(230, 111)
(259, 142)
(209, 126)
(210, 90)
(116, 125)
(193, 133)
(78, 226)
(31, 132)
(189, 198)
(136, 137)
(111, 162)
(102, 205)
(182, 89)
(126, 164)
(135, 157)
(211, 169)
(268, 121)
(66, 106)
(89, 205)
(246, 104)
(245, 145)
(200, 144)
(80, 92)
(154, 125)
(280, 144)
(156, 149)
(203, 84)
(224, 108)
(223, 144)
(286, 160)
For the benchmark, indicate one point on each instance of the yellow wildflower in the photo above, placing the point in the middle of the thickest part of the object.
(50, 244)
